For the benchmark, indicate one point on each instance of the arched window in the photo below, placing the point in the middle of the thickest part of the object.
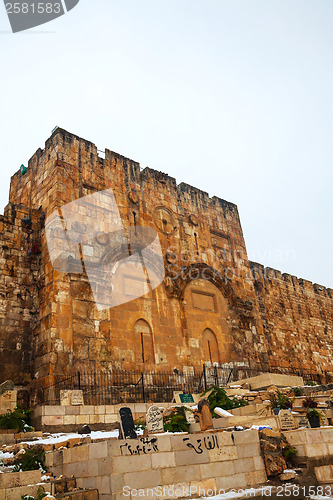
(144, 347)
(211, 348)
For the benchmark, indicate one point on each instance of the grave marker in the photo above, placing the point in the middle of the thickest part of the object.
(286, 420)
(127, 423)
(154, 420)
(206, 421)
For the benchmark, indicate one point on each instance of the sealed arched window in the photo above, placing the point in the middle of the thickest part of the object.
(144, 346)
(211, 348)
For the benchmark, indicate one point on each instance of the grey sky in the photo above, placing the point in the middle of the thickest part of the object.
(232, 96)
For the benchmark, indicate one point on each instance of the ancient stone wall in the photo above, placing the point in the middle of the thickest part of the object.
(19, 278)
(297, 317)
(207, 310)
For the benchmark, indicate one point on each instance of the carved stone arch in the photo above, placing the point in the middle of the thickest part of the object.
(143, 342)
(176, 284)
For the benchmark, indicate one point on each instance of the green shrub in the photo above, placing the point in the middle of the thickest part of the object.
(17, 419)
(289, 453)
(298, 391)
(176, 422)
(310, 382)
(280, 400)
(139, 424)
(33, 459)
(40, 494)
(218, 399)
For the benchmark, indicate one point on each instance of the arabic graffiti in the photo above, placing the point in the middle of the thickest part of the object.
(208, 442)
(145, 445)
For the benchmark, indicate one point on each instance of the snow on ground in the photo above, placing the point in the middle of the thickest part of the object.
(62, 437)
(246, 493)
(4, 455)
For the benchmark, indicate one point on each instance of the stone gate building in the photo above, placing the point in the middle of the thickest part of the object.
(214, 305)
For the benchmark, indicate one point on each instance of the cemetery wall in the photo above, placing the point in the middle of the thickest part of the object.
(297, 320)
(209, 308)
(205, 461)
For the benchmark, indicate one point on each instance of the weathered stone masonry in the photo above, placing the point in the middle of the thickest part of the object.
(209, 308)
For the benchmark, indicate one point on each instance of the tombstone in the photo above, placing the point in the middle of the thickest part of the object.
(176, 398)
(189, 415)
(206, 421)
(186, 398)
(302, 421)
(127, 424)
(65, 398)
(286, 420)
(71, 398)
(154, 420)
(77, 398)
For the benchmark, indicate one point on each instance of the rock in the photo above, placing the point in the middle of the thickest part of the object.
(274, 465)
(287, 476)
(85, 430)
(269, 433)
(267, 446)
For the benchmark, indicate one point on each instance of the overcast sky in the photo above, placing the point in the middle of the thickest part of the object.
(234, 97)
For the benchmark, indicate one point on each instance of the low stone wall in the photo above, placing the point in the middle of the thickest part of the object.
(15, 484)
(69, 418)
(182, 463)
(312, 443)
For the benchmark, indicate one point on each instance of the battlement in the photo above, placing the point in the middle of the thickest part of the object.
(259, 271)
(64, 146)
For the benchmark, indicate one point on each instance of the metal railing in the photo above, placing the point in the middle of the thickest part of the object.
(122, 386)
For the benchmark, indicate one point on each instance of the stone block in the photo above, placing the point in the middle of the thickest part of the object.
(244, 465)
(131, 463)
(163, 459)
(223, 453)
(258, 463)
(255, 478)
(69, 419)
(246, 437)
(103, 484)
(111, 418)
(16, 479)
(99, 410)
(53, 420)
(324, 474)
(236, 481)
(54, 410)
(189, 457)
(316, 450)
(109, 409)
(149, 479)
(117, 482)
(248, 450)
(98, 450)
(87, 410)
(178, 474)
(204, 487)
(216, 469)
(80, 453)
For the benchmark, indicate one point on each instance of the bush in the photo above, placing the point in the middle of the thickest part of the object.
(280, 400)
(176, 422)
(289, 453)
(218, 398)
(139, 424)
(310, 403)
(33, 459)
(310, 382)
(17, 419)
(298, 391)
(40, 494)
